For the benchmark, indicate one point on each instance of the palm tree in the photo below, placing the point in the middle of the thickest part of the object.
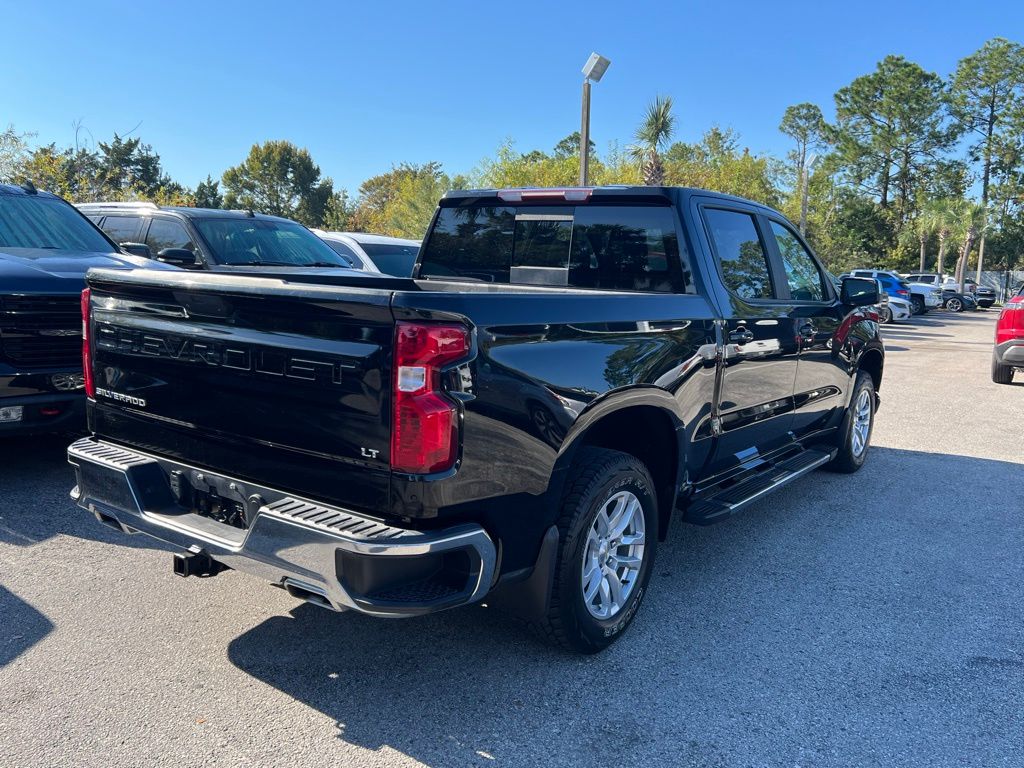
(941, 217)
(651, 137)
(920, 230)
(970, 223)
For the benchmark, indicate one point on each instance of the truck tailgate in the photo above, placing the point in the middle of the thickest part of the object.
(257, 377)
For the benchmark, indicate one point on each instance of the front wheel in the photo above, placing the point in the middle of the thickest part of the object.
(608, 532)
(917, 306)
(955, 304)
(885, 315)
(855, 433)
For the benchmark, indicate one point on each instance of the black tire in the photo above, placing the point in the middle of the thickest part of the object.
(597, 475)
(1001, 374)
(884, 315)
(955, 304)
(848, 459)
(917, 305)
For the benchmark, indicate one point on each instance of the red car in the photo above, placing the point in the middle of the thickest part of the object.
(1008, 352)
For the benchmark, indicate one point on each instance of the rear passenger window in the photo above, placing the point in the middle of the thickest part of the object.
(631, 248)
(628, 248)
(122, 229)
(164, 233)
(740, 253)
(806, 282)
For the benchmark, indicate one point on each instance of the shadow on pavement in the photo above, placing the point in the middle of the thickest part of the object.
(35, 480)
(823, 623)
(23, 626)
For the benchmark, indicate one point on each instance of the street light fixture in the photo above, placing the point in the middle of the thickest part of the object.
(593, 70)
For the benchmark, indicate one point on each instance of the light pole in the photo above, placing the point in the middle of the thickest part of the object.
(594, 70)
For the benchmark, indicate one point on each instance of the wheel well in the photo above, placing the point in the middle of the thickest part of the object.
(871, 361)
(648, 433)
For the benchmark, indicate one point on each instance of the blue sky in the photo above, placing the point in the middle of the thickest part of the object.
(367, 85)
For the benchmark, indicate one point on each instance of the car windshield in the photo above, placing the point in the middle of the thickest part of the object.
(246, 241)
(34, 221)
(392, 258)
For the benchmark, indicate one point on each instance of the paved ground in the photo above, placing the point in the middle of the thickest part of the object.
(854, 621)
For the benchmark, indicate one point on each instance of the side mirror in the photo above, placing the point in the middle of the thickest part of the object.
(858, 292)
(137, 249)
(179, 257)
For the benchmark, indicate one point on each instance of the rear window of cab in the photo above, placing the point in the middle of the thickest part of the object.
(629, 248)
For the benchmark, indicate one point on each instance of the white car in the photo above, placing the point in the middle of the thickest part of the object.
(374, 253)
(895, 310)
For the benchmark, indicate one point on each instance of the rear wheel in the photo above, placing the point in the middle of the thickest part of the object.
(855, 434)
(608, 532)
(1001, 374)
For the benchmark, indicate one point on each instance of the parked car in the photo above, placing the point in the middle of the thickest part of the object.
(973, 297)
(984, 295)
(211, 238)
(922, 296)
(958, 302)
(896, 310)
(46, 247)
(348, 445)
(1008, 352)
(377, 253)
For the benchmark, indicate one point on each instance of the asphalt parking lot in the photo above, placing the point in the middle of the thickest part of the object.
(872, 619)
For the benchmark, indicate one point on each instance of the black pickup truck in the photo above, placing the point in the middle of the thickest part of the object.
(565, 372)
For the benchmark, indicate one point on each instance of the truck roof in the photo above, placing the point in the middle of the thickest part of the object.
(610, 193)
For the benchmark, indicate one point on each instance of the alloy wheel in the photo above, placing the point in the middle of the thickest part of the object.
(613, 555)
(861, 422)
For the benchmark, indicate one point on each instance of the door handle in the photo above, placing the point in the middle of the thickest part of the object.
(741, 336)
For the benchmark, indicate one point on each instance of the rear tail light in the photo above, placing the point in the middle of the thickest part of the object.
(1010, 324)
(425, 434)
(90, 383)
(903, 292)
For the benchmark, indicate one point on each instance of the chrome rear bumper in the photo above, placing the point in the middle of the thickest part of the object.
(330, 556)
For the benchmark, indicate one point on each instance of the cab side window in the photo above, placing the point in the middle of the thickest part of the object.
(122, 229)
(740, 252)
(806, 282)
(164, 233)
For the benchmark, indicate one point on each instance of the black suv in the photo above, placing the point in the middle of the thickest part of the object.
(210, 238)
(46, 247)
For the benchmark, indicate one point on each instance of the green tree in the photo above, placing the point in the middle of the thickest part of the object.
(208, 194)
(339, 212)
(652, 137)
(969, 222)
(415, 203)
(570, 146)
(804, 124)
(717, 163)
(128, 166)
(379, 194)
(281, 179)
(891, 128)
(919, 231)
(509, 168)
(985, 93)
(943, 217)
(14, 151)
